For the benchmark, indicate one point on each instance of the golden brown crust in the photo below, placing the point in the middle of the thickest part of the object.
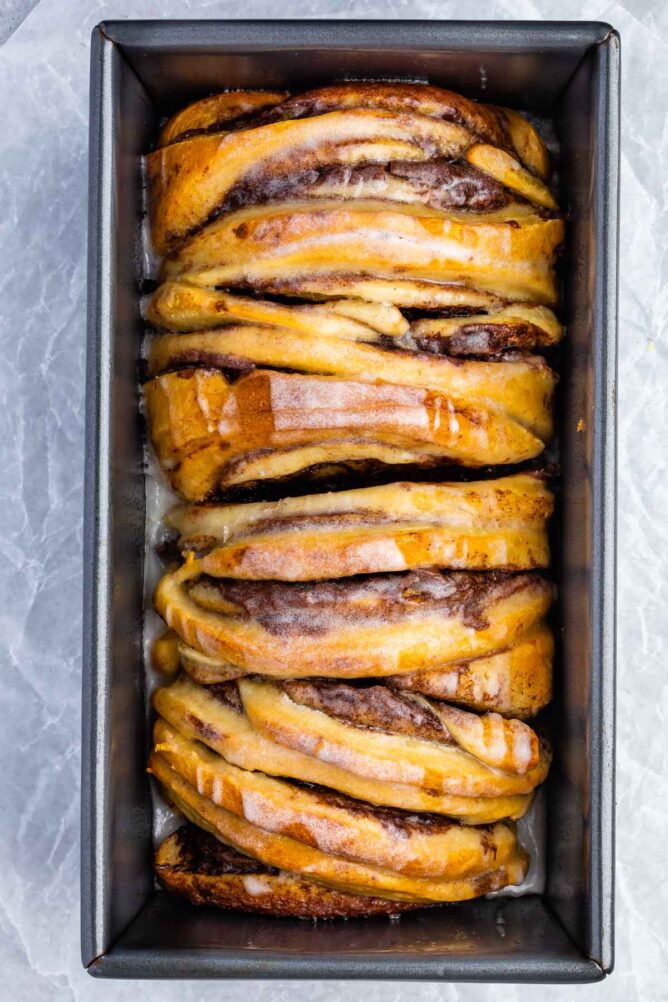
(212, 112)
(520, 387)
(459, 768)
(286, 853)
(207, 714)
(509, 253)
(207, 670)
(417, 845)
(165, 656)
(210, 433)
(527, 143)
(195, 865)
(423, 99)
(503, 744)
(385, 625)
(495, 524)
(499, 126)
(177, 306)
(515, 682)
(189, 181)
(180, 307)
(505, 169)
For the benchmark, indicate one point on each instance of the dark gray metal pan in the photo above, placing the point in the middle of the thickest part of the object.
(139, 71)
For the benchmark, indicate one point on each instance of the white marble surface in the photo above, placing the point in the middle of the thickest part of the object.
(43, 137)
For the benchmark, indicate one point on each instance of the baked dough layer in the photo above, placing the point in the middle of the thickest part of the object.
(217, 153)
(211, 432)
(286, 853)
(214, 715)
(515, 682)
(197, 866)
(509, 253)
(415, 845)
(487, 756)
(373, 627)
(484, 525)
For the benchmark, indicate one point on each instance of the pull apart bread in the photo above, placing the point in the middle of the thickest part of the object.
(484, 525)
(367, 741)
(345, 843)
(212, 432)
(386, 624)
(364, 199)
(358, 277)
(295, 849)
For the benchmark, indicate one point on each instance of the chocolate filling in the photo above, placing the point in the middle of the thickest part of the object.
(436, 183)
(373, 706)
(399, 822)
(228, 694)
(316, 608)
(484, 121)
(203, 854)
(481, 340)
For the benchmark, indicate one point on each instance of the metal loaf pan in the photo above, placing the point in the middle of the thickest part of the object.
(140, 71)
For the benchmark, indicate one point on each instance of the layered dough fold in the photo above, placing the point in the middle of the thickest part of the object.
(181, 307)
(211, 431)
(486, 525)
(341, 872)
(518, 388)
(216, 715)
(225, 157)
(367, 627)
(365, 200)
(219, 768)
(421, 846)
(199, 867)
(279, 248)
(515, 681)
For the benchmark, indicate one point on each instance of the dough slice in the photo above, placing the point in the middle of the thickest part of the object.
(418, 845)
(492, 524)
(197, 866)
(372, 627)
(214, 715)
(447, 768)
(287, 854)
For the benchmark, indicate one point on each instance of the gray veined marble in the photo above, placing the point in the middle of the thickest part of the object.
(43, 138)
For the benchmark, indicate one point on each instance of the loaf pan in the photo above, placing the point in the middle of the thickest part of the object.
(141, 71)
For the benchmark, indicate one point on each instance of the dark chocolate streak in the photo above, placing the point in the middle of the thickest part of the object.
(373, 706)
(482, 340)
(245, 120)
(302, 899)
(203, 854)
(319, 607)
(228, 694)
(396, 821)
(437, 183)
(205, 359)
